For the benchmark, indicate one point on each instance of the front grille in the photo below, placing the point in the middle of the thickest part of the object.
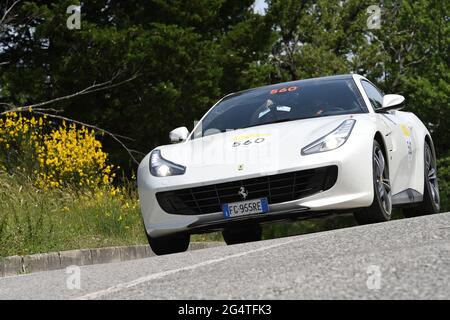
(277, 188)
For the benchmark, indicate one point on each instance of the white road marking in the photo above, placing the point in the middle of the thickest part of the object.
(127, 285)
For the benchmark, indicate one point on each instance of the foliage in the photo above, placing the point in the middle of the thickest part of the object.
(56, 189)
(64, 156)
(19, 138)
(73, 156)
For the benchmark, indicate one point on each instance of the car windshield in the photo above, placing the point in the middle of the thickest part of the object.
(280, 103)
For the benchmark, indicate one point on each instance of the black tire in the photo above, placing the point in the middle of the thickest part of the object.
(169, 244)
(381, 208)
(431, 201)
(242, 234)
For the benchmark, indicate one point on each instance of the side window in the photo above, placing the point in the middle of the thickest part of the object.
(375, 97)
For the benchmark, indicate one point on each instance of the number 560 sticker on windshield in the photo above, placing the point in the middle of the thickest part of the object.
(283, 90)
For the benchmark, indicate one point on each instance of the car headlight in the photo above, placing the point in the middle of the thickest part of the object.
(331, 141)
(160, 167)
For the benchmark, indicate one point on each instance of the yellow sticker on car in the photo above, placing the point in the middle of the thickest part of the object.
(250, 136)
(405, 130)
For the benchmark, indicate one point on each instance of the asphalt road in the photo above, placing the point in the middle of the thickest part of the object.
(402, 259)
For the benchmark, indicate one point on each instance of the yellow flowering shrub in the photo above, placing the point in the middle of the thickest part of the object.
(66, 155)
(19, 136)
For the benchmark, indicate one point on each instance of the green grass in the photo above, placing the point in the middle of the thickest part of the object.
(34, 220)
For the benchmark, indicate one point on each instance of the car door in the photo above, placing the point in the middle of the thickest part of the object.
(398, 139)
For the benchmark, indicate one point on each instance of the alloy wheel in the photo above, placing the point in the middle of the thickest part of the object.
(430, 165)
(382, 181)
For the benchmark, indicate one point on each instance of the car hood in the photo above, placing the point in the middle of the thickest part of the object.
(251, 150)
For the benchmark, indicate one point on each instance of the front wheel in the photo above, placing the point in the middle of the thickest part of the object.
(431, 200)
(381, 208)
(169, 244)
(242, 235)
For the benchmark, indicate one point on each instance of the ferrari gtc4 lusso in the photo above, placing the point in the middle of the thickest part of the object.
(295, 150)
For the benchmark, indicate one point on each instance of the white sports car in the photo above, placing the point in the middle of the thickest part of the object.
(299, 149)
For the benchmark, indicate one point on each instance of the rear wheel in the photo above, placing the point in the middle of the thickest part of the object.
(242, 234)
(431, 200)
(381, 208)
(169, 244)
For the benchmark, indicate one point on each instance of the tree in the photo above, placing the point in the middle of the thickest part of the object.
(316, 38)
(186, 55)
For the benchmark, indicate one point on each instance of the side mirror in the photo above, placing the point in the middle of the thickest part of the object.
(392, 102)
(178, 135)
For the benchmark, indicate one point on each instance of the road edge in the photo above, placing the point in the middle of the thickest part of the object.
(17, 265)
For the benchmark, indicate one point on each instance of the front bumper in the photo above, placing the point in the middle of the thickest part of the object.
(352, 189)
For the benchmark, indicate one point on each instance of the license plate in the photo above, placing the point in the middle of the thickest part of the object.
(244, 208)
